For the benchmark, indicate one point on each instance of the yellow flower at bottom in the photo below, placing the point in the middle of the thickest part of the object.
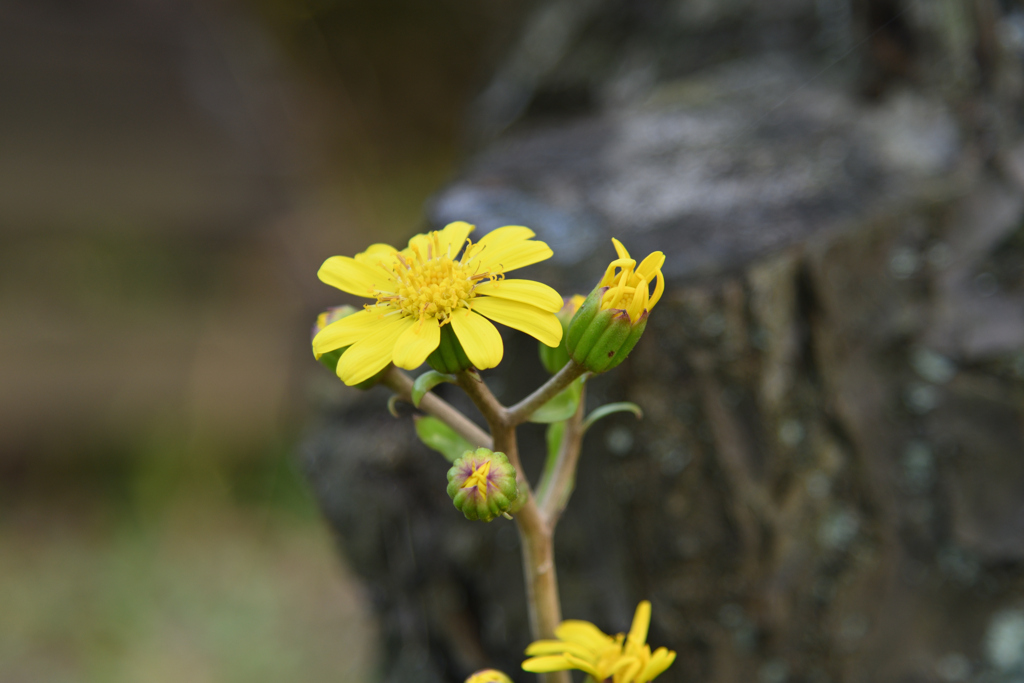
(441, 278)
(584, 647)
(489, 676)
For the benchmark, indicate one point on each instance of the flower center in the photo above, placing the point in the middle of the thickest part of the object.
(433, 284)
(479, 478)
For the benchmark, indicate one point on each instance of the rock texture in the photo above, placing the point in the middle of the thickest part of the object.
(828, 483)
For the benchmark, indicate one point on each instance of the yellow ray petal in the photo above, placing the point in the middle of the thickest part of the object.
(527, 291)
(557, 647)
(453, 236)
(349, 275)
(625, 669)
(641, 622)
(619, 249)
(416, 343)
(346, 331)
(539, 324)
(507, 257)
(505, 235)
(377, 254)
(660, 661)
(585, 666)
(369, 355)
(659, 289)
(650, 265)
(479, 338)
(584, 633)
(540, 665)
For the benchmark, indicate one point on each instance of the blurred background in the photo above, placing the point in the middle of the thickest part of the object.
(172, 173)
(827, 484)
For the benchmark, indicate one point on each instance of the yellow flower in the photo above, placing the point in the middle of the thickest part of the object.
(629, 288)
(428, 285)
(582, 646)
(489, 676)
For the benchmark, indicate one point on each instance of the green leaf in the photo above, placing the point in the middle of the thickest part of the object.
(553, 436)
(610, 408)
(442, 438)
(427, 381)
(561, 407)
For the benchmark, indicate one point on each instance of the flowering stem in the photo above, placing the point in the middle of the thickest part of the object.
(558, 480)
(536, 531)
(521, 411)
(432, 404)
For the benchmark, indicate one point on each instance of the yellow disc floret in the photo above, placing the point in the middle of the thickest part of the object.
(433, 283)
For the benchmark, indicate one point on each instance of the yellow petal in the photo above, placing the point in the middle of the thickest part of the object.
(372, 353)
(377, 254)
(527, 291)
(557, 647)
(625, 669)
(584, 633)
(505, 235)
(506, 257)
(540, 665)
(660, 660)
(539, 324)
(416, 343)
(641, 622)
(346, 331)
(651, 265)
(585, 666)
(349, 275)
(453, 237)
(479, 338)
(659, 289)
(619, 249)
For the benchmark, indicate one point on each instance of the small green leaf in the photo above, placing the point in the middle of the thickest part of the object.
(561, 407)
(442, 438)
(427, 381)
(393, 406)
(610, 408)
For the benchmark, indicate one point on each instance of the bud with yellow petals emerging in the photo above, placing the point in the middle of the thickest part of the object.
(612, 319)
(482, 484)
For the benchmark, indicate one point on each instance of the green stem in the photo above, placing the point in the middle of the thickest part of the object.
(559, 476)
(521, 411)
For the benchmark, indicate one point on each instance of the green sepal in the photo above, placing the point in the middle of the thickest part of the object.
(561, 407)
(500, 490)
(449, 357)
(635, 333)
(427, 381)
(440, 437)
(583, 318)
(607, 345)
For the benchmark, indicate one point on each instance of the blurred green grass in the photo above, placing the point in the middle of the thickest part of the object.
(169, 565)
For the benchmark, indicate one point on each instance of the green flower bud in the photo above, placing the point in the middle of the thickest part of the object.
(613, 317)
(449, 356)
(554, 358)
(330, 359)
(482, 484)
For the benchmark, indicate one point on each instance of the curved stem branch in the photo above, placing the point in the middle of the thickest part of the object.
(521, 411)
(432, 404)
(558, 482)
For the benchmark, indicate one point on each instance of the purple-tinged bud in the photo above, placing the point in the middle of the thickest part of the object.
(482, 484)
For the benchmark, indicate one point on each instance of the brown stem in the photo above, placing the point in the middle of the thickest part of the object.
(521, 411)
(432, 404)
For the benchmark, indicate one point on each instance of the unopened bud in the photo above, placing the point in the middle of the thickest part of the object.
(489, 676)
(449, 357)
(554, 358)
(482, 484)
(331, 358)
